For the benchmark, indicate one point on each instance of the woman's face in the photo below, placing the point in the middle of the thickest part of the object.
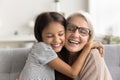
(77, 34)
(54, 35)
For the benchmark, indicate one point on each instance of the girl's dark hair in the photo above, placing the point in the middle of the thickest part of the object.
(43, 21)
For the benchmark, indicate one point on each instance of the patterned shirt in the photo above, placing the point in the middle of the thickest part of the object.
(36, 67)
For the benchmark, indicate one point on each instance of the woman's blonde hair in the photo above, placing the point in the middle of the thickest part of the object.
(86, 16)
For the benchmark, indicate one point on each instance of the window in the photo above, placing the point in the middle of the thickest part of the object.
(106, 15)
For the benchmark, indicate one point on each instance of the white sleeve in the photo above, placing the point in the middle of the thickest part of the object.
(43, 53)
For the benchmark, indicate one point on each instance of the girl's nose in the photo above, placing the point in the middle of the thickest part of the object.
(56, 39)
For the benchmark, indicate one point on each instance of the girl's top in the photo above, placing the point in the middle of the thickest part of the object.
(36, 67)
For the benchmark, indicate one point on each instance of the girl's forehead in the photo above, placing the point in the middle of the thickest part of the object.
(54, 25)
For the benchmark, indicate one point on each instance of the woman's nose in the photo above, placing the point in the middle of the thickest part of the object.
(76, 33)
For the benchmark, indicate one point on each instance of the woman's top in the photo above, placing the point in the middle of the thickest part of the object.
(36, 67)
(94, 68)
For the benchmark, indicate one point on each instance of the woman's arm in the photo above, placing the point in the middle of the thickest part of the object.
(71, 71)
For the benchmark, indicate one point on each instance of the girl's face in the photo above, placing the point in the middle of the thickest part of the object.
(54, 35)
(77, 34)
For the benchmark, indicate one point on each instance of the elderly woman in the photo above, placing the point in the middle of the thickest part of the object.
(79, 34)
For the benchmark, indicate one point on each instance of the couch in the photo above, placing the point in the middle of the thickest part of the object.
(12, 61)
(112, 59)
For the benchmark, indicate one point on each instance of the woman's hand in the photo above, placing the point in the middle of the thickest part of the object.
(99, 46)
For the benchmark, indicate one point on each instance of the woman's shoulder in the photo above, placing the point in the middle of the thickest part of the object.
(94, 50)
(95, 53)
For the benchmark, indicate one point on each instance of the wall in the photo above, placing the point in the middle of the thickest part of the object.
(106, 13)
(16, 16)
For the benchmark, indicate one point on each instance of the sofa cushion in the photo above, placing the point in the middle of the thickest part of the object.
(12, 62)
(112, 58)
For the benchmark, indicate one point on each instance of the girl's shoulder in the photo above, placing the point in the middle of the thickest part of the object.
(42, 46)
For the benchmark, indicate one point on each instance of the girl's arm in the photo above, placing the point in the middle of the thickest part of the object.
(71, 71)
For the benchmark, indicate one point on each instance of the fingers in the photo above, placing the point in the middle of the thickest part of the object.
(101, 50)
(99, 46)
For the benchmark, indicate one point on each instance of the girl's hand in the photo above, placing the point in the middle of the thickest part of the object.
(99, 46)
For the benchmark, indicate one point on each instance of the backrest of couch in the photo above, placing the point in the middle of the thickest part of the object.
(112, 59)
(12, 62)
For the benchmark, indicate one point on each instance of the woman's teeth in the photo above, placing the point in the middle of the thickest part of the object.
(74, 42)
